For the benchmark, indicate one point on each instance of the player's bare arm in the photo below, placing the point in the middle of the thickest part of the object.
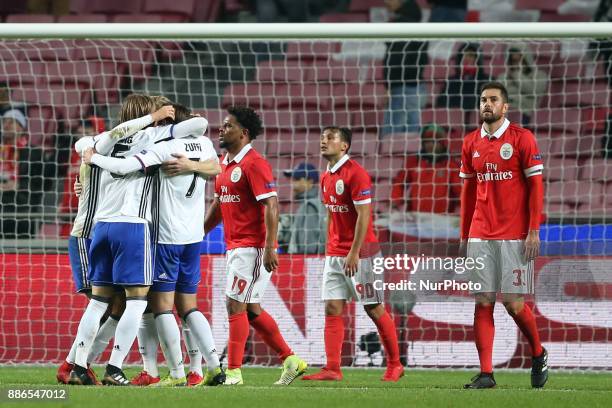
(271, 215)
(351, 263)
(213, 216)
(468, 205)
(536, 192)
(182, 165)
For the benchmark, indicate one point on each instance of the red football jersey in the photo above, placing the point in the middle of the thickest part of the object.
(243, 182)
(501, 164)
(344, 186)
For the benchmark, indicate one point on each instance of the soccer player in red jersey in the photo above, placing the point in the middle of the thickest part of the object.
(247, 203)
(351, 249)
(501, 206)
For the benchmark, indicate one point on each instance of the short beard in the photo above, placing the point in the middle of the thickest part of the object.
(490, 119)
(223, 144)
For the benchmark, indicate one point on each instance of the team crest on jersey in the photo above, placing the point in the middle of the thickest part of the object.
(236, 174)
(506, 151)
(339, 187)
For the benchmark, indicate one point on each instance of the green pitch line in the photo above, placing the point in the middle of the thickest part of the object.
(360, 388)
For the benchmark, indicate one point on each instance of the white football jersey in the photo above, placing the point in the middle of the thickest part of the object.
(89, 178)
(128, 198)
(181, 199)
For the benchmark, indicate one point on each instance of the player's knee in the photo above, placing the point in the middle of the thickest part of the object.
(185, 313)
(163, 312)
(374, 311)
(333, 309)
(513, 308)
(235, 307)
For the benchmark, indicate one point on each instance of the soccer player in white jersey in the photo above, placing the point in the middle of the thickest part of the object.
(79, 242)
(246, 201)
(120, 252)
(177, 261)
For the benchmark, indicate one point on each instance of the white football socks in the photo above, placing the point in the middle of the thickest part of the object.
(170, 341)
(126, 330)
(147, 344)
(200, 330)
(88, 327)
(195, 357)
(105, 333)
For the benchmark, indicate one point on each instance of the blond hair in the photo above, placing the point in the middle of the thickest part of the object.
(135, 106)
(160, 101)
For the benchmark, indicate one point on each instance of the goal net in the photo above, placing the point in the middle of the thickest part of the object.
(409, 103)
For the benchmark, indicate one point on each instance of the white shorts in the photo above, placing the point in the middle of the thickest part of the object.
(505, 268)
(247, 278)
(338, 286)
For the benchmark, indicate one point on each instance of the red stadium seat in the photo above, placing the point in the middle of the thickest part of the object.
(308, 50)
(78, 74)
(215, 119)
(310, 96)
(567, 120)
(115, 6)
(332, 71)
(560, 169)
(345, 18)
(370, 120)
(399, 144)
(438, 70)
(41, 124)
(207, 11)
(83, 18)
(317, 120)
(172, 10)
(589, 146)
(359, 96)
(375, 72)
(594, 119)
(382, 191)
(278, 119)
(564, 146)
(136, 18)
(557, 209)
(573, 192)
(51, 50)
(80, 6)
(364, 144)
(30, 18)
(596, 170)
(577, 93)
(365, 5)
(258, 96)
(20, 74)
(293, 143)
(281, 70)
(107, 83)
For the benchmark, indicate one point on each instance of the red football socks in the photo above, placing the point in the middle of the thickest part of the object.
(525, 320)
(388, 336)
(484, 333)
(238, 335)
(268, 330)
(334, 337)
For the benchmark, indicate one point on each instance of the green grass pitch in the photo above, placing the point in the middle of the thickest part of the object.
(360, 388)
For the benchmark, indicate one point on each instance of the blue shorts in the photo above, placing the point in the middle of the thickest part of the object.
(120, 254)
(177, 268)
(78, 252)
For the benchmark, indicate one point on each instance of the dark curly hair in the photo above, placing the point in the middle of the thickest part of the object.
(248, 119)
